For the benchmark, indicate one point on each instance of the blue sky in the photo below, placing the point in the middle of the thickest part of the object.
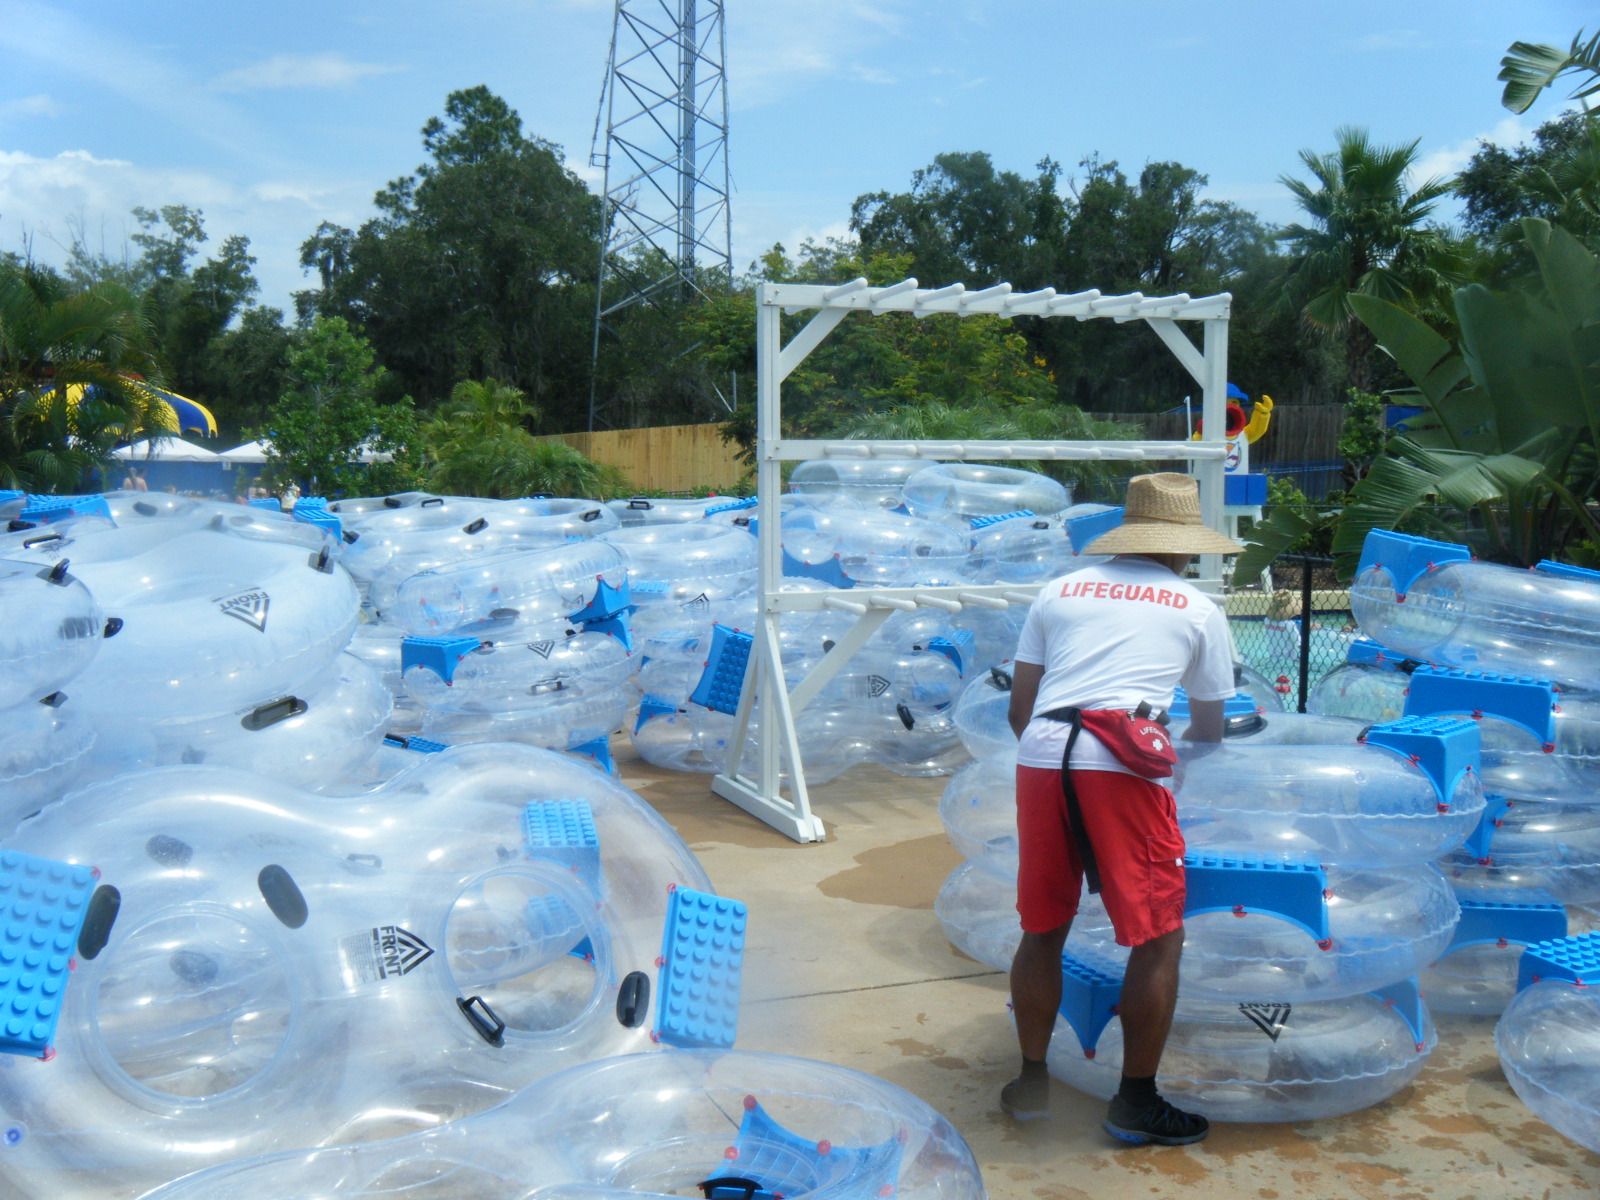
(274, 116)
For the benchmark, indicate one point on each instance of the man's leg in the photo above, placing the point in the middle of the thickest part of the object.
(1149, 995)
(1035, 998)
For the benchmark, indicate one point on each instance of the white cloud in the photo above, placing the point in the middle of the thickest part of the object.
(872, 75)
(777, 46)
(46, 199)
(1445, 161)
(40, 105)
(300, 71)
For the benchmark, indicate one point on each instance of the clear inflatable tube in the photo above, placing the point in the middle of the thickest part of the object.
(683, 563)
(521, 588)
(50, 629)
(1384, 926)
(663, 735)
(44, 748)
(1350, 805)
(646, 1125)
(1023, 550)
(979, 812)
(875, 482)
(1285, 729)
(875, 548)
(326, 728)
(1477, 980)
(572, 722)
(215, 617)
(1549, 1045)
(1486, 617)
(510, 677)
(640, 510)
(1480, 978)
(981, 713)
(287, 970)
(1547, 852)
(394, 545)
(957, 492)
(977, 910)
(1360, 691)
(1260, 1061)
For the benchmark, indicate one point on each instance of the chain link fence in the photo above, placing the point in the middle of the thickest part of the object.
(1297, 629)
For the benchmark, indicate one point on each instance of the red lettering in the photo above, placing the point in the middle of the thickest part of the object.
(1116, 591)
(1149, 595)
(1100, 590)
(1179, 600)
(1164, 597)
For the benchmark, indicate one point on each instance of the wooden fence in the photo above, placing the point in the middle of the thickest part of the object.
(666, 458)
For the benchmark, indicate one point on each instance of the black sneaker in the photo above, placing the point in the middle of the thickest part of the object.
(1026, 1099)
(1157, 1122)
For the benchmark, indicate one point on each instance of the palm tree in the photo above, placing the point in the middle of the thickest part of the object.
(1530, 67)
(49, 341)
(1367, 235)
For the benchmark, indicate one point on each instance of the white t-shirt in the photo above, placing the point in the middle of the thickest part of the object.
(1110, 636)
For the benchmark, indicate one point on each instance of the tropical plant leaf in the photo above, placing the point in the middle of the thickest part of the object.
(1275, 534)
(1530, 67)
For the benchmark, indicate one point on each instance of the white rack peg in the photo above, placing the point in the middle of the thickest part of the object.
(894, 289)
(844, 289)
(880, 601)
(843, 605)
(988, 293)
(927, 601)
(975, 601)
(1019, 597)
(1042, 296)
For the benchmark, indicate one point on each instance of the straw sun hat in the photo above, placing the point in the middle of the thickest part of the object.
(1162, 516)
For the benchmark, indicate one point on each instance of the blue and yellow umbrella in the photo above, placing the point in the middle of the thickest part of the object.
(176, 413)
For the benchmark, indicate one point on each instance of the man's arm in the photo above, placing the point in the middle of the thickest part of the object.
(1205, 721)
(1025, 679)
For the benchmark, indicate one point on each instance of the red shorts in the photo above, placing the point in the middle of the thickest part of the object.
(1132, 824)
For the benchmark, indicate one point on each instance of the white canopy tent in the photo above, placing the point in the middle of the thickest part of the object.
(255, 453)
(165, 449)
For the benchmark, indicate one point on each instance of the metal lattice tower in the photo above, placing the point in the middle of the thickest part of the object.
(664, 108)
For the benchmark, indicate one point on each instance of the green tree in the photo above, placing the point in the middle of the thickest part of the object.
(52, 338)
(1499, 184)
(1369, 236)
(964, 221)
(478, 445)
(1362, 436)
(186, 307)
(480, 263)
(240, 372)
(328, 411)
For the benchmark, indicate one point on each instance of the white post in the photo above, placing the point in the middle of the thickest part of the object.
(1214, 412)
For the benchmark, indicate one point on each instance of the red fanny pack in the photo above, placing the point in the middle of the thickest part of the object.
(1141, 744)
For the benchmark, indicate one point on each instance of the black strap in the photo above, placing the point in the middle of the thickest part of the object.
(1080, 835)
